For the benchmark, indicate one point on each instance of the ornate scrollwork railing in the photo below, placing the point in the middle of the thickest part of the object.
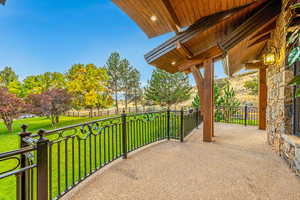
(60, 159)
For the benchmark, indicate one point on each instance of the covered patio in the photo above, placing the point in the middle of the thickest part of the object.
(234, 32)
(239, 165)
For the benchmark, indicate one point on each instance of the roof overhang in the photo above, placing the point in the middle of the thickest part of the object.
(240, 36)
(173, 15)
(237, 33)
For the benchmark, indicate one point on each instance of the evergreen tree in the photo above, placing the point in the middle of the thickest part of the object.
(126, 79)
(166, 89)
(135, 91)
(114, 71)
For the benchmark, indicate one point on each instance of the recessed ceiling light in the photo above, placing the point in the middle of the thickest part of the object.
(173, 63)
(153, 18)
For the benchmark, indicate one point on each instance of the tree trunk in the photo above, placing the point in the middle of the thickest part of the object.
(8, 121)
(116, 99)
(53, 120)
(57, 119)
(135, 102)
(91, 111)
(126, 100)
(9, 126)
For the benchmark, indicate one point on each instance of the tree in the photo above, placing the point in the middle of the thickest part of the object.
(86, 83)
(7, 75)
(114, 71)
(103, 100)
(41, 83)
(135, 93)
(252, 85)
(130, 81)
(167, 89)
(196, 102)
(53, 103)
(229, 102)
(217, 97)
(10, 107)
(225, 101)
(126, 79)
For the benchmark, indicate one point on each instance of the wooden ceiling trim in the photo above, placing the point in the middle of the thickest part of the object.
(267, 29)
(174, 21)
(261, 39)
(263, 16)
(200, 26)
(184, 51)
(213, 52)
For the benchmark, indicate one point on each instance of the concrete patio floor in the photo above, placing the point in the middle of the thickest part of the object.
(239, 165)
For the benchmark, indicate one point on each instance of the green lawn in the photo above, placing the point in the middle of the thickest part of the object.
(90, 152)
(10, 141)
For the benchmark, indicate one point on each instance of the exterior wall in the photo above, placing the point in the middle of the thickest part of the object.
(280, 98)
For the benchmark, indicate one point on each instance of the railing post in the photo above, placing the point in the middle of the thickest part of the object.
(246, 115)
(181, 125)
(168, 123)
(21, 181)
(124, 135)
(42, 166)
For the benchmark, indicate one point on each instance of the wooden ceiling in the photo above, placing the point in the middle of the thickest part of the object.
(173, 14)
(237, 29)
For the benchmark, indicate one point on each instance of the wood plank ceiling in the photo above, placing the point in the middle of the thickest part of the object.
(215, 28)
(183, 12)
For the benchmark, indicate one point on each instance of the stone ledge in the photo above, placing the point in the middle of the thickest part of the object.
(292, 140)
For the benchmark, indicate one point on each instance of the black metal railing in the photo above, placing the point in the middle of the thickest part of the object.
(60, 159)
(245, 115)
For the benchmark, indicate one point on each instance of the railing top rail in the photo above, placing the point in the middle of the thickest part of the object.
(142, 113)
(17, 152)
(50, 132)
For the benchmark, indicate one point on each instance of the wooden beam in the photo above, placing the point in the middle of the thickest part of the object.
(212, 53)
(257, 65)
(184, 51)
(173, 21)
(262, 98)
(267, 29)
(198, 27)
(208, 111)
(259, 40)
(264, 16)
(199, 83)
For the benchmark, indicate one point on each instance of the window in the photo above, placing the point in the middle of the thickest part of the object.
(296, 104)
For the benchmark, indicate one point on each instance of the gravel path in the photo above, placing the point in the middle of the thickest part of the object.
(239, 165)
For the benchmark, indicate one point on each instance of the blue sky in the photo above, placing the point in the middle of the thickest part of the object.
(47, 35)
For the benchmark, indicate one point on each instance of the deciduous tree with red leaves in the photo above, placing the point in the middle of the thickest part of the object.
(11, 107)
(51, 103)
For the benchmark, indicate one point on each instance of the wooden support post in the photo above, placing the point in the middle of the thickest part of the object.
(208, 109)
(262, 98)
(199, 82)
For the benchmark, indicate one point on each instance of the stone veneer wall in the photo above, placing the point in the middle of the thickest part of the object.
(280, 97)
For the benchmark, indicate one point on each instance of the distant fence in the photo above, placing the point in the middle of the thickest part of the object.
(110, 112)
(51, 163)
(246, 115)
